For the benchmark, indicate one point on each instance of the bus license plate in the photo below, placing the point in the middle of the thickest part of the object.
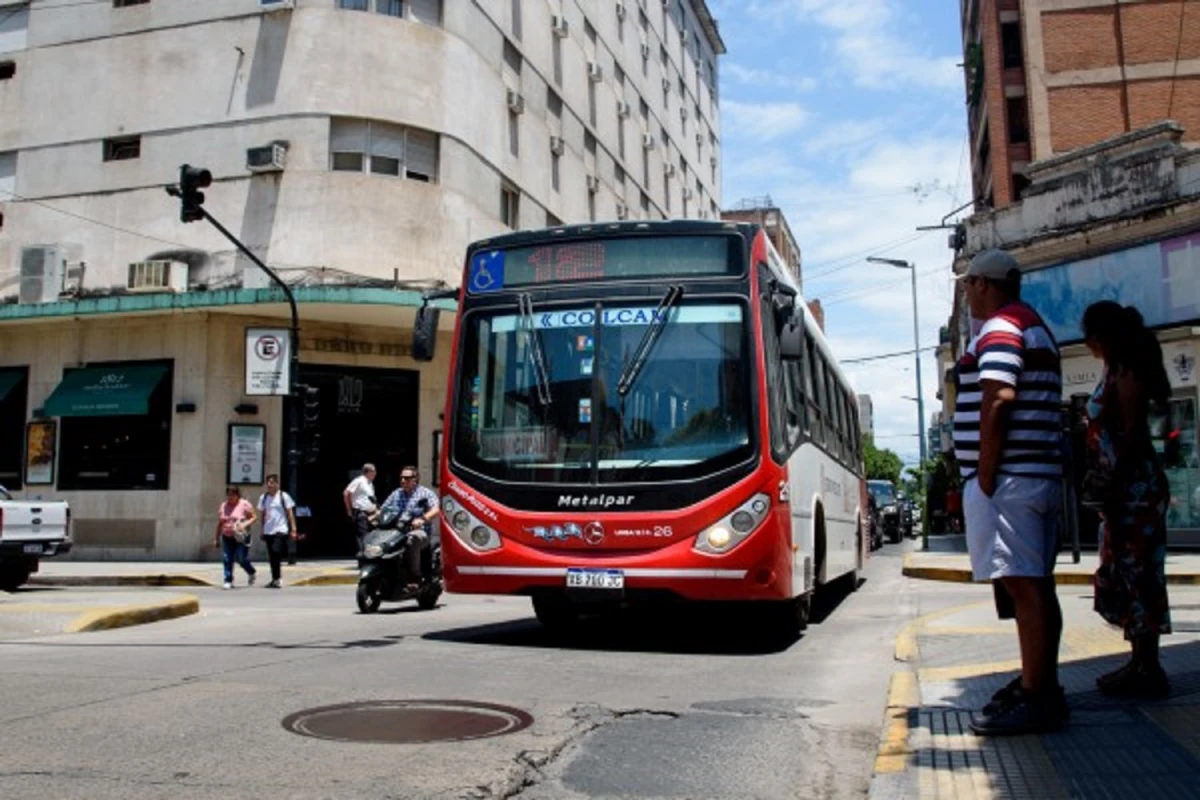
(33, 549)
(595, 579)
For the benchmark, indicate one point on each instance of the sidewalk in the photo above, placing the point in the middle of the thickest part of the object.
(54, 572)
(46, 611)
(946, 560)
(952, 661)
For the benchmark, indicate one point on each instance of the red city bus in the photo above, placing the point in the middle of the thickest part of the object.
(644, 408)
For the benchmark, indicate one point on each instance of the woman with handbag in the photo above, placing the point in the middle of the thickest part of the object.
(1126, 483)
(234, 518)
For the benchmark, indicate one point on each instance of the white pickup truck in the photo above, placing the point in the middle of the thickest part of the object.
(29, 530)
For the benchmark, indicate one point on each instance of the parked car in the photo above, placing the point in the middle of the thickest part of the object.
(889, 510)
(29, 531)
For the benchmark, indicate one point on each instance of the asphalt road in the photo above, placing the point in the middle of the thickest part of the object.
(691, 704)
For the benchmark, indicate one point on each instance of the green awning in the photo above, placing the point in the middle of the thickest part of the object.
(8, 379)
(105, 391)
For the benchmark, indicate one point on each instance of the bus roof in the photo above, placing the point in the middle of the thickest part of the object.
(625, 228)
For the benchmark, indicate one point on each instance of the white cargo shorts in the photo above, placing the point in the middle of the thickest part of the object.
(1013, 533)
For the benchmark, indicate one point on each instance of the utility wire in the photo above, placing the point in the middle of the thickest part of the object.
(898, 354)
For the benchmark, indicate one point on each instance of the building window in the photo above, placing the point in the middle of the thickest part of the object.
(555, 180)
(552, 221)
(510, 206)
(619, 174)
(7, 70)
(128, 451)
(516, 19)
(645, 206)
(512, 57)
(8, 176)
(355, 5)
(514, 134)
(591, 203)
(556, 52)
(592, 103)
(381, 149)
(391, 8)
(667, 194)
(1018, 121)
(1010, 33)
(122, 148)
(554, 104)
(621, 138)
(127, 3)
(14, 394)
(589, 144)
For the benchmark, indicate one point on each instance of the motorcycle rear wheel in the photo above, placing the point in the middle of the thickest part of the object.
(368, 597)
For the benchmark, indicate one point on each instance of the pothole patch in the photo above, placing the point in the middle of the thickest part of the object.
(408, 721)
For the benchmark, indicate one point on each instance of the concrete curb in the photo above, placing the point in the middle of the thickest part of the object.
(948, 574)
(339, 578)
(106, 619)
(119, 580)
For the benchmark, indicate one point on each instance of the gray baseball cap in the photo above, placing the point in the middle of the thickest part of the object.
(995, 265)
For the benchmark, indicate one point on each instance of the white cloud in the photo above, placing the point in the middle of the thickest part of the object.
(869, 42)
(761, 122)
(761, 77)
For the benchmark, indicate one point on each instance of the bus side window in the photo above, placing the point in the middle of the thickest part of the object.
(835, 411)
(776, 391)
(797, 404)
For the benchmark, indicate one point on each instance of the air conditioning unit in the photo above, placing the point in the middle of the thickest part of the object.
(648, 141)
(593, 183)
(712, 160)
(669, 170)
(699, 140)
(666, 83)
(622, 211)
(560, 26)
(621, 10)
(42, 271)
(645, 51)
(270, 158)
(556, 145)
(595, 71)
(687, 193)
(683, 114)
(623, 109)
(157, 276)
(516, 103)
(276, 5)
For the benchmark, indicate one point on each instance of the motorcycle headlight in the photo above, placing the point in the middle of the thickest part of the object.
(728, 532)
(372, 551)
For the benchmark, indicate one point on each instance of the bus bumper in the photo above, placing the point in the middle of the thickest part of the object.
(760, 568)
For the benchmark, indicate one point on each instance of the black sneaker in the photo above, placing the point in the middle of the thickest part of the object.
(1057, 705)
(1022, 714)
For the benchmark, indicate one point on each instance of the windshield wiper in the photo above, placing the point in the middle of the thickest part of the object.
(642, 354)
(525, 302)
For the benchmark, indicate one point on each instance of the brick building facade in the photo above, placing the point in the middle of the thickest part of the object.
(1048, 76)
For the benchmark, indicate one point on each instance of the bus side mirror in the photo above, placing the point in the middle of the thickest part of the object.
(425, 326)
(791, 339)
(425, 332)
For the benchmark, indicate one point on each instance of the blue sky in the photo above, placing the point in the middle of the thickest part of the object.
(850, 115)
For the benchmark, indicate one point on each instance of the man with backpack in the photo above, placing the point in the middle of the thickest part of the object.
(279, 525)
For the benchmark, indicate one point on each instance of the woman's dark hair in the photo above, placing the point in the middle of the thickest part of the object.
(1128, 344)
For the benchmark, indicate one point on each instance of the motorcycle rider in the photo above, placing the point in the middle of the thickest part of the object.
(414, 502)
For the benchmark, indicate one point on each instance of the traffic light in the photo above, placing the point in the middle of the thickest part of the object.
(312, 405)
(191, 181)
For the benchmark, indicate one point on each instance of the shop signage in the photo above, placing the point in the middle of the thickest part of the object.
(247, 448)
(355, 347)
(1080, 375)
(40, 440)
(267, 361)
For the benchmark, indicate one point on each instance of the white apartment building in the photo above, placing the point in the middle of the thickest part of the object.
(356, 146)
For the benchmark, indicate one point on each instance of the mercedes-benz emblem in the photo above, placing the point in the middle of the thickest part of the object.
(593, 533)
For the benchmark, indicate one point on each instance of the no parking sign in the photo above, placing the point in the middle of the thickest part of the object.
(267, 359)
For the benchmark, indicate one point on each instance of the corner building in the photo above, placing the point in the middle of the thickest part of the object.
(356, 146)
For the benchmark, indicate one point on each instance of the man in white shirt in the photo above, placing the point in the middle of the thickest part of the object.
(279, 525)
(359, 498)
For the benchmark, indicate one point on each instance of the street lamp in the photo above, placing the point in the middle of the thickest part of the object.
(912, 270)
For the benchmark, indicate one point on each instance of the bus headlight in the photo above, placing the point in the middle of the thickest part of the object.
(461, 521)
(730, 531)
(484, 538)
(448, 506)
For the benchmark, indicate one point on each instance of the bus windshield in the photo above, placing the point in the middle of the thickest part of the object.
(538, 397)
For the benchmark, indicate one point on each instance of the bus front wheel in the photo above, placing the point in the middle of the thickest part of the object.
(554, 611)
(789, 618)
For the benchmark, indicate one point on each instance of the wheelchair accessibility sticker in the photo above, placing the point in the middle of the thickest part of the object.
(487, 272)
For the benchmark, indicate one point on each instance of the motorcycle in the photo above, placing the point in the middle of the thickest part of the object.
(383, 573)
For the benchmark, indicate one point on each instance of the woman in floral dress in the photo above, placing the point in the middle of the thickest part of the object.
(1126, 483)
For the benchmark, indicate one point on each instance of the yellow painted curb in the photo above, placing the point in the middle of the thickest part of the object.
(906, 641)
(963, 575)
(105, 619)
(119, 580)
(903, 696)
(340, 578)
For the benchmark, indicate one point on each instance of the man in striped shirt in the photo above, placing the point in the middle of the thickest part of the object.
(1008, 442)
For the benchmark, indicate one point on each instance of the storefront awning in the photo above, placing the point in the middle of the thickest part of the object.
(105, 391)
(8, 379)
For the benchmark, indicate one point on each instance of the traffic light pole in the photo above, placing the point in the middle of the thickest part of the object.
(293, 410)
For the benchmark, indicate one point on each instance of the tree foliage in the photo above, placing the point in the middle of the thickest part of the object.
(881, 465)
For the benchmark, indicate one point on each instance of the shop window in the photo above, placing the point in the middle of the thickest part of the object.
(127, 451)
(14, 391)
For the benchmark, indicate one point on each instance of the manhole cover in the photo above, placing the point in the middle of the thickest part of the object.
(408, 721)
